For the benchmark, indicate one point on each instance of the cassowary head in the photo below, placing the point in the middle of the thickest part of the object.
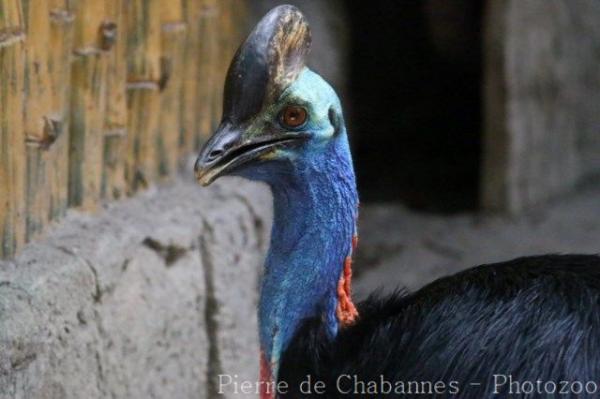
(276, 111)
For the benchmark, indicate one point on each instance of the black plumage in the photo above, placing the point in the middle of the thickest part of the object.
(533, 319)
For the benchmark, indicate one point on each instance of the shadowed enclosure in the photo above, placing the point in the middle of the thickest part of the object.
(415, 89)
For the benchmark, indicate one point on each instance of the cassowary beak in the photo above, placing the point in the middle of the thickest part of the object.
(215, 157)
(227, 150)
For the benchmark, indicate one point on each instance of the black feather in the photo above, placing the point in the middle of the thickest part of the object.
(534, 318)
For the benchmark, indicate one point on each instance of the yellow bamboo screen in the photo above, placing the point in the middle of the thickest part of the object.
(99, 98)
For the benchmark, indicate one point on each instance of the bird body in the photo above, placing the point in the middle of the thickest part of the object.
(283, 125)
(467, 336)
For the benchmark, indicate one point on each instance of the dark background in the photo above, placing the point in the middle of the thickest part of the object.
(415, 92)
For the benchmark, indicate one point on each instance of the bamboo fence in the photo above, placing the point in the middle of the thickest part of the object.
(100, 98)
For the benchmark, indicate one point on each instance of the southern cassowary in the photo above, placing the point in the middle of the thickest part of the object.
(527, 326)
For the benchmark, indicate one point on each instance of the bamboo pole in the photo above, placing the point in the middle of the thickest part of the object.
(227, 31)
(174, 30)
(115, 128)
(39, 123)
(38, 101)
(189, 110)
(88, 104)
(143, 97)
(218, 49)
(206, 75)
(59, 65)
(12, 140)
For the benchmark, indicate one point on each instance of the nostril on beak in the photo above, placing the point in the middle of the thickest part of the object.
(216, 148)
(219, 150)
(214, 154)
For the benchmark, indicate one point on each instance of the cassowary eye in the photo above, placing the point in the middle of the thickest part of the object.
(293, 116)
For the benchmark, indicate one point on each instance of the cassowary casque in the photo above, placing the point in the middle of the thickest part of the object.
(533, 319)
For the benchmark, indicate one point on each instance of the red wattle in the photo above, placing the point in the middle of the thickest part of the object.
(346, 311)
(267, 390)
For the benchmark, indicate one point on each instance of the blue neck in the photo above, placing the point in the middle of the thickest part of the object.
(315, 210)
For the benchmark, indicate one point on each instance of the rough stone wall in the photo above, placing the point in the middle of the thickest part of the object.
(542, 92)
(151, 298)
